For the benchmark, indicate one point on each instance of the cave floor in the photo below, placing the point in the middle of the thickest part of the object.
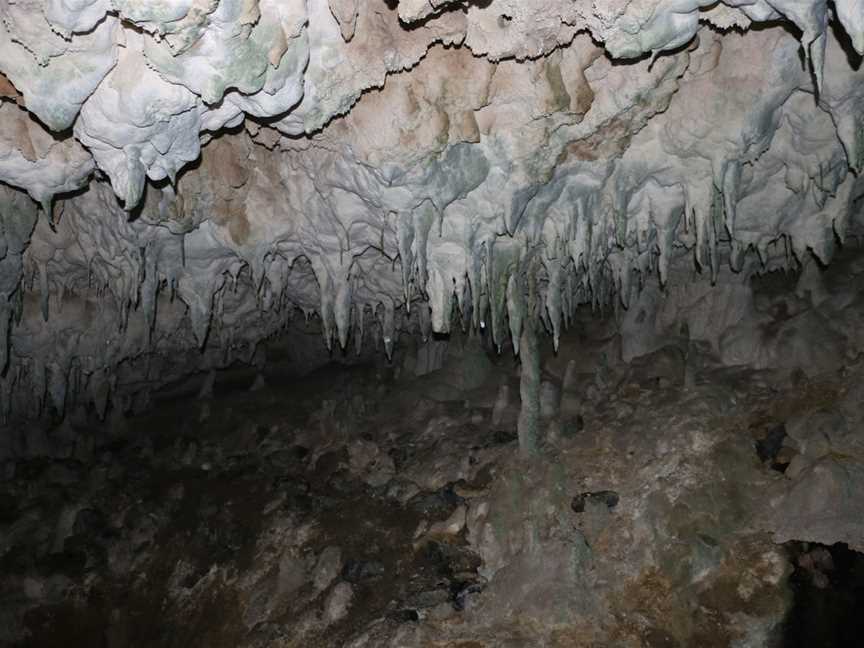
(360, 507)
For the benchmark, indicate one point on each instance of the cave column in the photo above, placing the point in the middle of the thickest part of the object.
(529, 376)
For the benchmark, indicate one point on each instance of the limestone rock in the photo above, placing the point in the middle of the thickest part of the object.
(207, 170)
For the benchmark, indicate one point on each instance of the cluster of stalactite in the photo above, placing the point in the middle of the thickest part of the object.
(488, 174)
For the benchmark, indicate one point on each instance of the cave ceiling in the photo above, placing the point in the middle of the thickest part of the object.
(180, 175)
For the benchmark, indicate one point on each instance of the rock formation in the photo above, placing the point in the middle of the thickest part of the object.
(641, 216)
(202, 171)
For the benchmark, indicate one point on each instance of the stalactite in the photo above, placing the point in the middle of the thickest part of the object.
(405, 241)
(515, 309)
(388, 325)
(44, 293)
(502, 258)
(358, 317)
(342, 310)
(554, 307)
(354, 174)
(424, 316)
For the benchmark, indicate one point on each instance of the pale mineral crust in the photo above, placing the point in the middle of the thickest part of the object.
(200, 170)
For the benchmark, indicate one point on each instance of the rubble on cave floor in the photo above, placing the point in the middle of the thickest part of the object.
(363, 507)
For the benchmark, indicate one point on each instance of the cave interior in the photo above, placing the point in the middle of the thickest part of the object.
(433, 323)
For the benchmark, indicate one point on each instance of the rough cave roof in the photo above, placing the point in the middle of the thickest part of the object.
(199, 169)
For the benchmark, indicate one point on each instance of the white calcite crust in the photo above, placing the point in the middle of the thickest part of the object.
(207, 167)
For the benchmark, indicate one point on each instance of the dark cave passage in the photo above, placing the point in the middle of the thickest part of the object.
(319, 499)
(828, 586)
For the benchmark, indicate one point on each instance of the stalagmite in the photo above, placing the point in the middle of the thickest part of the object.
(529, 390)
(529, 375)
(206, 390)
(502, 402)
(570, 399)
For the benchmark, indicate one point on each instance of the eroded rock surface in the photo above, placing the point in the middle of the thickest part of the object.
(206, 170)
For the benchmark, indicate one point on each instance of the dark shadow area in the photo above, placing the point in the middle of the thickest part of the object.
(845, 41)
(828, 586)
